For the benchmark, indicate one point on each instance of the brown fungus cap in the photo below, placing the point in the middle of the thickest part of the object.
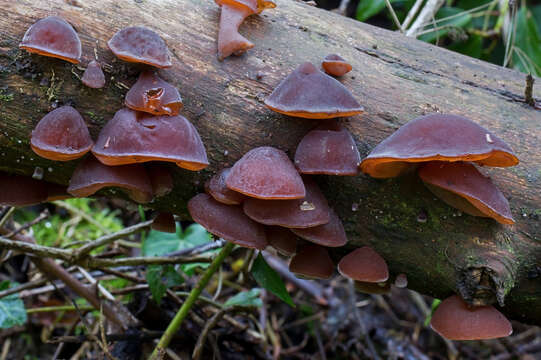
(132, 137)
(255, 6)
(310, 211)
(437, 137)
(216, 188)
(328, 152)
(93, 76)
(61, 135)
(282, 239)
(331, 234)
(312, 262)
(154, 95)
(161, 179)
(53, 36)
(18, 190)
(91, 175)
(335, 65)
(164, 222)
(227, 221)
(364, 264)
(462, 186)
(266, 173)
(140, 45)
(455, 320)
(310, 93)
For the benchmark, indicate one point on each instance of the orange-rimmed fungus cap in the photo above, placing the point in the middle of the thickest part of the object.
(310, 211)
(61, 135)
(282, 239)
(216, 188)
(266, 173)
(455, 320)
(364, 264)
(154, 95)
(91, 175)
(18, 190)
(311, 262)
(227, 221)
(93, 76)
(312, 94)
(164, 222)
(140, 45)
(438, 137)
(134, 137)
(329, 152)
(331, 234)
(53, 36)
(462, 186)
(255, 6)
(335, 65)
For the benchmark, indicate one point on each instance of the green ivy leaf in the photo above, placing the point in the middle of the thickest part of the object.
(160, 278)
(267, 278)
(12, 311)
(245, 298)
(527, 52)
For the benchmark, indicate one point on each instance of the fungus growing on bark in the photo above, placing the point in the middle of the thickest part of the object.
(61, 135)
(216, 188)
(164, 222)
(154, 95)
(93, 76)
(312, 94)
(227, 221)
(456, 320)
(161, 179)
(232, 16)
(335, 65)
(140, 45)
(310, 211)
(133, 137)
(330, 152)
(365, 265)
(437, 137)
(282, 239)
(53, 36)
(91, 175)
(266, 173)
(463, 187)
(312, 262)
(331, 234)
(20, 190)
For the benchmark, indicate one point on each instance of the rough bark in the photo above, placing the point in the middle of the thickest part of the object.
(394, 77)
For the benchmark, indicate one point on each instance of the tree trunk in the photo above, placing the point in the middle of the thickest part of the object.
(394, 77)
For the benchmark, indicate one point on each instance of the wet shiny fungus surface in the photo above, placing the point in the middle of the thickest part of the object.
(282, 239)
(312, 261)
(93, 76)
(216, 187)
(154, 95)
(335, 65)
(331, 234)
(164, 222)
(18, 190)
(364, 264)
(140, 44)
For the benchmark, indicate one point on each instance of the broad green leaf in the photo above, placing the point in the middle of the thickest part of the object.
(245, 298)
(159, 243)
(12, 311)
(267, 278)
(368, 8)
(527, 46)
(446, 25)
(160, 278)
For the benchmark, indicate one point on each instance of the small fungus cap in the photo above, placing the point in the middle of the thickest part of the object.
(53, 36)
(331, 234)
(132, 137)
(154, 95)
(310, 211)
(328, 152)
(91, 175)
(312, 261)
(61, 135)
(266, 173)
(364, 264)
(93, 76)
(464, 180)
(18, 190)
(335, 65)
(310, 93)
(437, 137)
(254, 6)
(454, 320)
(227, 221)
(282, 239)
(141, 45)
(216, 188)
(164, 222)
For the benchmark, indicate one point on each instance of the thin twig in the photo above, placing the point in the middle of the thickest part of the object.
(393, 15)
(82, 214)
(6, 216)
(44, 215)
(431, 7)
(411, 14)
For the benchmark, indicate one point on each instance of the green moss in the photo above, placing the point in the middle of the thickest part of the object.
(5, 96)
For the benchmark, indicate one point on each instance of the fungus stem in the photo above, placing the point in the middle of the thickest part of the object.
(175, 324)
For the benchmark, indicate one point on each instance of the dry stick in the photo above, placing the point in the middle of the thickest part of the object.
(6, 216)
(428, 11)
(82, 214)
(393, 15)
(528, 91)
(411, 14)
(44, 215)
(175, 324)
